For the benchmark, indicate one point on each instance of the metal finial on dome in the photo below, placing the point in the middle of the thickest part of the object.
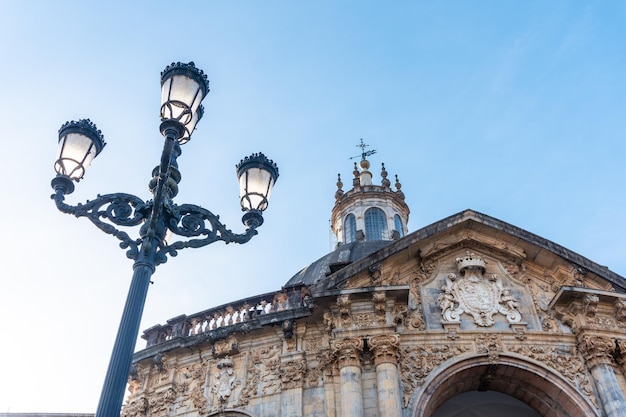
(339, 192)
(383, 173)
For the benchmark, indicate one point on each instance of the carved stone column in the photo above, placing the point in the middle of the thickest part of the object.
(598, 353)
(348, 355)
(385, 349)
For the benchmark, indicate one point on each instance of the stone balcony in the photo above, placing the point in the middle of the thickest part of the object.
(217, 323)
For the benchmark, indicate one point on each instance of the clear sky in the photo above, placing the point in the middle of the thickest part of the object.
(514, 109)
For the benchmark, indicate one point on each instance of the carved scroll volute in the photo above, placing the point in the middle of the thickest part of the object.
(347, 352)
(597, 350)
(385, 348)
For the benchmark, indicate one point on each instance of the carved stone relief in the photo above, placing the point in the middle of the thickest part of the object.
(318, 367)
(415, 319)
(563, 360)
(224, 347)
(475, 294)
(384, 348)
(292, 373)
(224, 382)
(347, 352)
(491, 345)
(380, 306)
(190, 383)
(262, 377)
(416, 362)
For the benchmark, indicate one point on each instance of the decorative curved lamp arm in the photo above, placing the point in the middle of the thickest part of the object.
(120, 209)
(192, 221)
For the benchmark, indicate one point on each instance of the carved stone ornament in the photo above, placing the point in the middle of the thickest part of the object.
(417, 362)
(348, 351)
(475, 294)
(262, 374)
(597, 350)
(224, 347)
(564, 360)
(380, 305)
(190, 388)
(225, 381)
(385, 348)
(292, 373)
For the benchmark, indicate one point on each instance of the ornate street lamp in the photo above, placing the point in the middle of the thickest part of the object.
(183, 87)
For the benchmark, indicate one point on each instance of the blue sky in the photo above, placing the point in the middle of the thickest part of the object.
(513, 109)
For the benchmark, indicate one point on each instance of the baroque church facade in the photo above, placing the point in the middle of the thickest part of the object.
(469, 316)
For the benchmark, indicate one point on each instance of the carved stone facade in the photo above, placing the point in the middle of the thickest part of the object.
(469, 304)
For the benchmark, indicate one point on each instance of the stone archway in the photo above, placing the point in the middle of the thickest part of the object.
(540, 388)
(230, 413)
(484, 404)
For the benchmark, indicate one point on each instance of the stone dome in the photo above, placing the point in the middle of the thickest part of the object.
(335, 260)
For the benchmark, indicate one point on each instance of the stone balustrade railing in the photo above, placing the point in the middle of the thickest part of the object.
(229, 314)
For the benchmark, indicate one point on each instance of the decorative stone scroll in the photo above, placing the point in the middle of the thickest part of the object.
(475, 294)
(190, 388)
(418, 361)
(262, 375)
(292, 373)
(347, 351)
(385, 348)
(596, 349)
(564, 360)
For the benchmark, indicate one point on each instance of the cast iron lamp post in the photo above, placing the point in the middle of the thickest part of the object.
(183, 86)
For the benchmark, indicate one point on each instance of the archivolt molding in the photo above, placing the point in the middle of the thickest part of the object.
(231, 413)
(441, 384)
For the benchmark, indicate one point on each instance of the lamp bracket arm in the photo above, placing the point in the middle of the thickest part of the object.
(106, 210)
(201, 226)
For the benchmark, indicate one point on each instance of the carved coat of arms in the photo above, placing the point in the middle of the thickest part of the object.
(472, 293)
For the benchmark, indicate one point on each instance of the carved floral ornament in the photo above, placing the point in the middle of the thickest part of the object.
(472, 293)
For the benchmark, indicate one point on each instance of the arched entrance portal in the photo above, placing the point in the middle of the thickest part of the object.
(540, 388)
(484, 404)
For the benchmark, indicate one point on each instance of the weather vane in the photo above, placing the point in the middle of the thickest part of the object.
(364, 153)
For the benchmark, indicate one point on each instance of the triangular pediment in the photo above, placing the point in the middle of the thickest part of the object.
(513, 247)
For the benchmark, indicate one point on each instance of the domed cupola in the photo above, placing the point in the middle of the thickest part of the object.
(369, 212)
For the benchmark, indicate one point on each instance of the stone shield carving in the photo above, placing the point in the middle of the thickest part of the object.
(472, 293)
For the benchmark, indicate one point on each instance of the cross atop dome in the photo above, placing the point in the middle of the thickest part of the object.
(364, 153)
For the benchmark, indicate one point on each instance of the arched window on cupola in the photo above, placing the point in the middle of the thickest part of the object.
(349, 228)
(398, 225)
(375, 224)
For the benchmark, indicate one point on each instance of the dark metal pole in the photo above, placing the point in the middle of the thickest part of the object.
(116, 378)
